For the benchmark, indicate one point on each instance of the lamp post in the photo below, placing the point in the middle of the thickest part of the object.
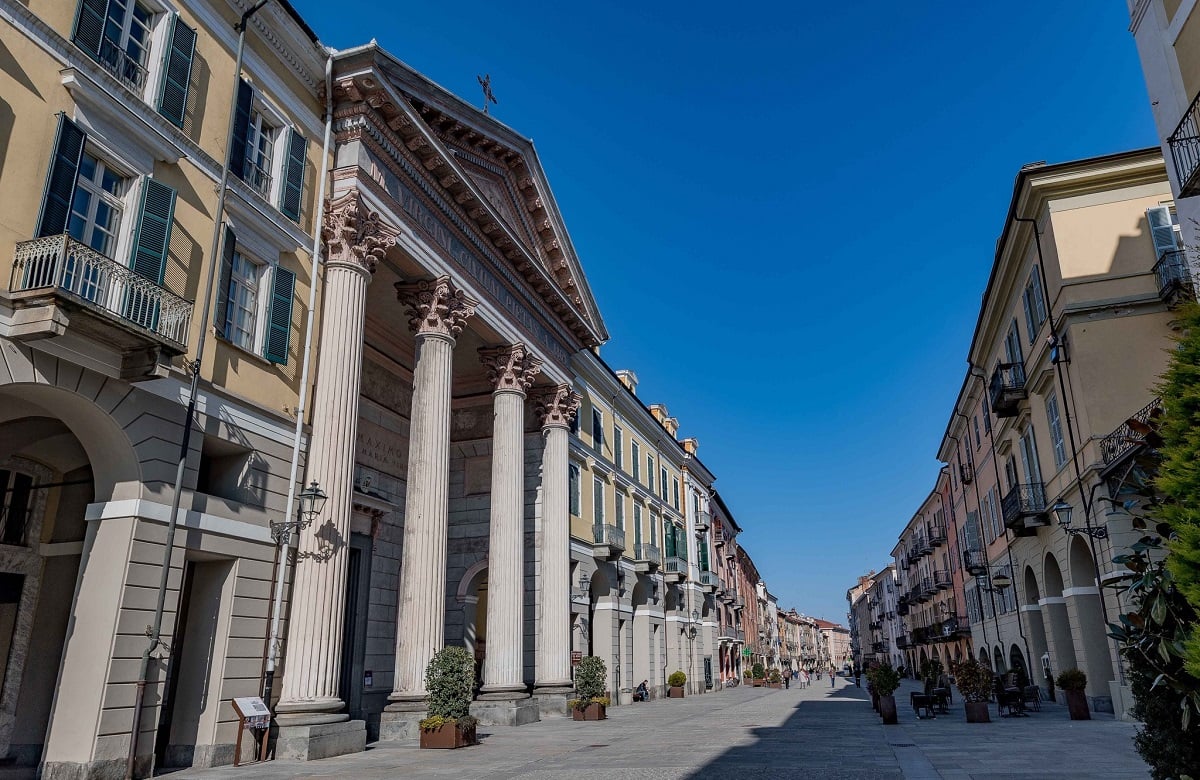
(310, 505)
(1063, 511)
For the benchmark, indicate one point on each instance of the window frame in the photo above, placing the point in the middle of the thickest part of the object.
(1054, 420)
(574, 490)
(124, 204)
(597, 500)
(263, 271)
(635, 458)
(618, 447)
(597, 429)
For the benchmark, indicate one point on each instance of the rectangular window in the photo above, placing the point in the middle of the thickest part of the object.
(1056, 435)
(618, 446)
(1030, 468)
(97, 205)
(1164, 230)
(662, 482)
(987, 420)
(637, 523)
(978, 440)
(260, 152)
(1012, 345)
(650, 472)
(573, 478)
(597, 429)
(654, 531)
(997, 517)
(635, 458)
(242, 309)
(619, 511)
(575, 422)
(597, 501)
(117, 34)
(675, 492)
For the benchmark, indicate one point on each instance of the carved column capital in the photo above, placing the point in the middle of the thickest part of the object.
(510, 368)
(557, 406)
(436, 306)
(353, 234)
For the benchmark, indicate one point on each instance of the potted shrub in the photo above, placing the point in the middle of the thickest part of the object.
(675, 684)
(591, 702)
(757, 673)
(775, 679)
(449, 678)
(974, 681)
(1073, 682)
(884, 681)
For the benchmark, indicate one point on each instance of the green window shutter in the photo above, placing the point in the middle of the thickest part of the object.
(703, 545)
(293, 176)
(153, 236)
(172, 100)
(222, 308)
(60, 180)
(1162, 232)
(279, 321)
(89, 26)
(241, 128)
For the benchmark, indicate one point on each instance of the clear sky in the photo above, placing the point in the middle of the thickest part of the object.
(787, 212)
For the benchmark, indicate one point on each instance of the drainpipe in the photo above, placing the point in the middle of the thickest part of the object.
(285, 540)
(154, 631)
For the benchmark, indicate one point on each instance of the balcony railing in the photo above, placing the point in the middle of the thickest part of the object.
(709, 580)
(739, 603)
(879, 647)
(703, 522)
(728, 631)
(974, 563)
(922, 545)
(675, 569)
(609, 541)
(1134, 432)
(1174, 278)
(718, 537)
(1185, 149)
(941, 580)
(937, 535)
(101, 284)
(1007, 389)
(647, 554)
(967, 472)
(903, 642)
(121, 66)
(1024, 506)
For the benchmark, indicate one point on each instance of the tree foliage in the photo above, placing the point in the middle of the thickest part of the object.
(449, 678)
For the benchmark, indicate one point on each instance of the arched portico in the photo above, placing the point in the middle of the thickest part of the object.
(1054, 613)
(1083, 599)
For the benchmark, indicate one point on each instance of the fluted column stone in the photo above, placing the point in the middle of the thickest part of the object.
(438, 311)
(511, 371)
(557, 407)
(355, 239)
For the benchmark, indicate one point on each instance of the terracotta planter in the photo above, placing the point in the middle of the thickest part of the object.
(1077, 705)
(593, 711)
(675, 692)
(756, 683)
(977, 712)
(775, 685)
(447, 737)
(887, 710)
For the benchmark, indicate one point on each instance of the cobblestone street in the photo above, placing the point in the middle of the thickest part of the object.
(757, 733)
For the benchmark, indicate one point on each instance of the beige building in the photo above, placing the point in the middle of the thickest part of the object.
(113, 147)
(1071, 338)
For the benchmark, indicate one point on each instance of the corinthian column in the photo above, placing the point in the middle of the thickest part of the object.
(355, 240)
(437, 313)
(557, 407)
(511, 371)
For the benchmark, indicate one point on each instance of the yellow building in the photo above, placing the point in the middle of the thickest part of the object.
(113, 148)
(1072, 336)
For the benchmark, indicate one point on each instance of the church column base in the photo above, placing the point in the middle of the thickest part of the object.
(552, 700)
(515, 709)
(323, 740)
(400, 721)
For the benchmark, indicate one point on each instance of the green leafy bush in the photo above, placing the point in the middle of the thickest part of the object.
(759, 671)
(775, 676)
(884, 679)
(1071, 680)
(974, 680)
(449, 679)
(589, 680)
(677, 679)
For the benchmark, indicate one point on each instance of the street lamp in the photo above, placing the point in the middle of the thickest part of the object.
(1063, 511)
(312, 503)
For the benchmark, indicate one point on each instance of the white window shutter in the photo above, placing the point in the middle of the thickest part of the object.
(1162, 232)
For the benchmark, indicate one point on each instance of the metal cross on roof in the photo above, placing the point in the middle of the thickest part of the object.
(485, 81)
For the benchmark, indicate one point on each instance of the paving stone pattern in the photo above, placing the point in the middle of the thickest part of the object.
(752, 734)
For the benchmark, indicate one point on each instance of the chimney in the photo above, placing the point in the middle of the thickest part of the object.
(659, 411)
(629, 379)
(690, 445)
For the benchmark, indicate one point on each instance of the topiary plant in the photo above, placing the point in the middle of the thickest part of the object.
(974, 680)
(1071, 680)
(677, 679)
(759, 671)
(590, 677)
(449, 678)
(775, 676)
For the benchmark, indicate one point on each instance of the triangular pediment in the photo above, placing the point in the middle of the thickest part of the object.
(493, 176)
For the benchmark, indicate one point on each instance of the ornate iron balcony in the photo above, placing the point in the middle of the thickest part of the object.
(1174, 277)
(1024, 507)
(101, 285)
(1185, 150)
(1007, 389)
(937, 535)
(1141, 428)
(122, 66)
(966, 472)
(941, 579)
(974, 563)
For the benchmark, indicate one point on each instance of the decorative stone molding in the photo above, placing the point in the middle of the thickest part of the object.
(510, 367)
(557, 406)
(436, 306)
(353, 234)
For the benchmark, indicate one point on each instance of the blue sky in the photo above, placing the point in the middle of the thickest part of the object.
(787, 212)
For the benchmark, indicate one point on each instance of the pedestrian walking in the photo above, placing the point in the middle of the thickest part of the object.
(787, 679)
(832, 672)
